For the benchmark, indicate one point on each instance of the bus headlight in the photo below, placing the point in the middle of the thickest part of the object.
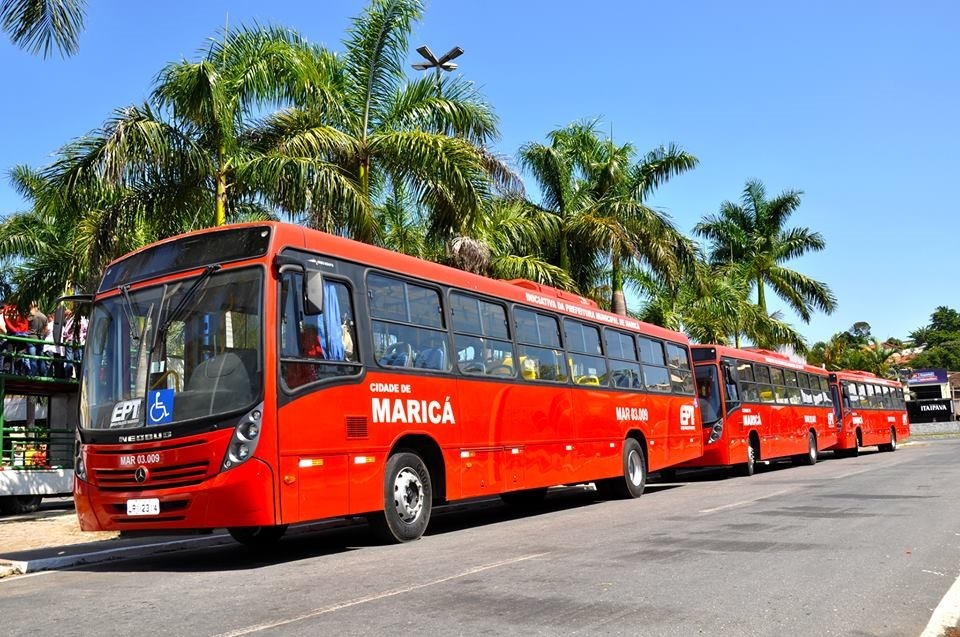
(716, 432)
(244, 440)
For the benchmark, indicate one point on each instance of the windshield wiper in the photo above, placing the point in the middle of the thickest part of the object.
(128, 311)
(161, 331)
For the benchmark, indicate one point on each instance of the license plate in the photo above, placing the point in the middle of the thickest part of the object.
(145, 506)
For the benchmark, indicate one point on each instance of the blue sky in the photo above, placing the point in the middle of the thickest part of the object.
(853, 103)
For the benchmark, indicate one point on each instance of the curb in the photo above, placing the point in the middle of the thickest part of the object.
(76, 555)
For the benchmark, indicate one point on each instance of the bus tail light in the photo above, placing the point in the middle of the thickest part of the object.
(244, 440)
(716, 432)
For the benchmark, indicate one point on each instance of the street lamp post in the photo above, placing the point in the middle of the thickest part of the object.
(442, 64)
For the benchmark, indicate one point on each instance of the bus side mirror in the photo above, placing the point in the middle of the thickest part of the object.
(312, 292)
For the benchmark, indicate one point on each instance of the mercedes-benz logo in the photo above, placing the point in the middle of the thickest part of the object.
(140, 475)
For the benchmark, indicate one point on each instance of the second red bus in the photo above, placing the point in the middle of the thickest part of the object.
(759, 405)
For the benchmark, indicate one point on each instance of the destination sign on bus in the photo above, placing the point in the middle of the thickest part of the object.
(585, 312)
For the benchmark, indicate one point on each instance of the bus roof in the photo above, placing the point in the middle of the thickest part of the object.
(860, 375)
(758, 355)
(286, 235)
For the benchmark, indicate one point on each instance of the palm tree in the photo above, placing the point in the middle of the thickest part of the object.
(42, 25)
(382, 131)
(191, 143)
(875, 357)
(754, 235)
(621, 223)
(178, 164)
(597, 193)
(559, 168)
(710, 304)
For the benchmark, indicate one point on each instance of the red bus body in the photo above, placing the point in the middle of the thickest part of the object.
(323, 442)
(770, 407)
(871, 409)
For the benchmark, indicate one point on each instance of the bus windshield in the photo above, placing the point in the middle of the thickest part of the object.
(708, 388)
(174, 352)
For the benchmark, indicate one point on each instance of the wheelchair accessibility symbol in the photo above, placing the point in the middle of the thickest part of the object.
(160, 406)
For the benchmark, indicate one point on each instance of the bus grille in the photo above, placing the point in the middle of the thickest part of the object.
(169, 477)
(356, 427)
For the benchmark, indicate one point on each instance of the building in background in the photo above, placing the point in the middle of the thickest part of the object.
(929, 396)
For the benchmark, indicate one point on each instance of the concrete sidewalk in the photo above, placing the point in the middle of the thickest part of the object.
(54, 557)
(50, 538)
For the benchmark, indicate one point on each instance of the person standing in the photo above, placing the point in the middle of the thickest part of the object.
(37, 322)
(17, 325)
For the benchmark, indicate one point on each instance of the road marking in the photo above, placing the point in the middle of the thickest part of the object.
(743, 502)
(372, 598)
(946, 614)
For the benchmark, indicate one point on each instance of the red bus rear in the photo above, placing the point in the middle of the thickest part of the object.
(261, 375)
(759, 405)
(871, 409)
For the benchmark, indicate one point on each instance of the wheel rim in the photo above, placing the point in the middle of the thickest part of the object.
(408, 495)
(751, 455)
(635, 468)
(813, 447)
(893, 439)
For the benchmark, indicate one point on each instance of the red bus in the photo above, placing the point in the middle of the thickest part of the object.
(871, 410)
(759, 405)
(261, 375)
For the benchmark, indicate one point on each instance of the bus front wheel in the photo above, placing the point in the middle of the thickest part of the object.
(407, 499)
(634, 478)
(749, 467)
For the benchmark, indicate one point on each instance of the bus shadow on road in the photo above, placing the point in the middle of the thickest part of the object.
(323, 539)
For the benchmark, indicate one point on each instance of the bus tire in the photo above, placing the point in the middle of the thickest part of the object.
(749, 467)
(634, 478)
(407, 499)
(19, 504)
(855, 451)
(258, 537)
(525, 498)
(810, 458)
(892, 445)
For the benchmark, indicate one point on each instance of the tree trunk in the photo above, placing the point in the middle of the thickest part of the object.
(221, 212)
(618, 302)
(761, 299)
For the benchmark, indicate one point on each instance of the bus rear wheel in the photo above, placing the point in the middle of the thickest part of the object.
(634, 478)
(809, 458)
(258, 537)
(892, 445)
(19, 504)
(407, 499)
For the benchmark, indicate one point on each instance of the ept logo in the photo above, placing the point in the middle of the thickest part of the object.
(686, 417)
(126, 410)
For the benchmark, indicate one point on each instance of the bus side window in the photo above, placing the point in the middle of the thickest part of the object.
(313, 347)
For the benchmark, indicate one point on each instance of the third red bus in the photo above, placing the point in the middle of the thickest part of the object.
(871, 411)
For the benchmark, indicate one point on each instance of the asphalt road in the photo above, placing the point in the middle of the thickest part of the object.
(856, 546)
